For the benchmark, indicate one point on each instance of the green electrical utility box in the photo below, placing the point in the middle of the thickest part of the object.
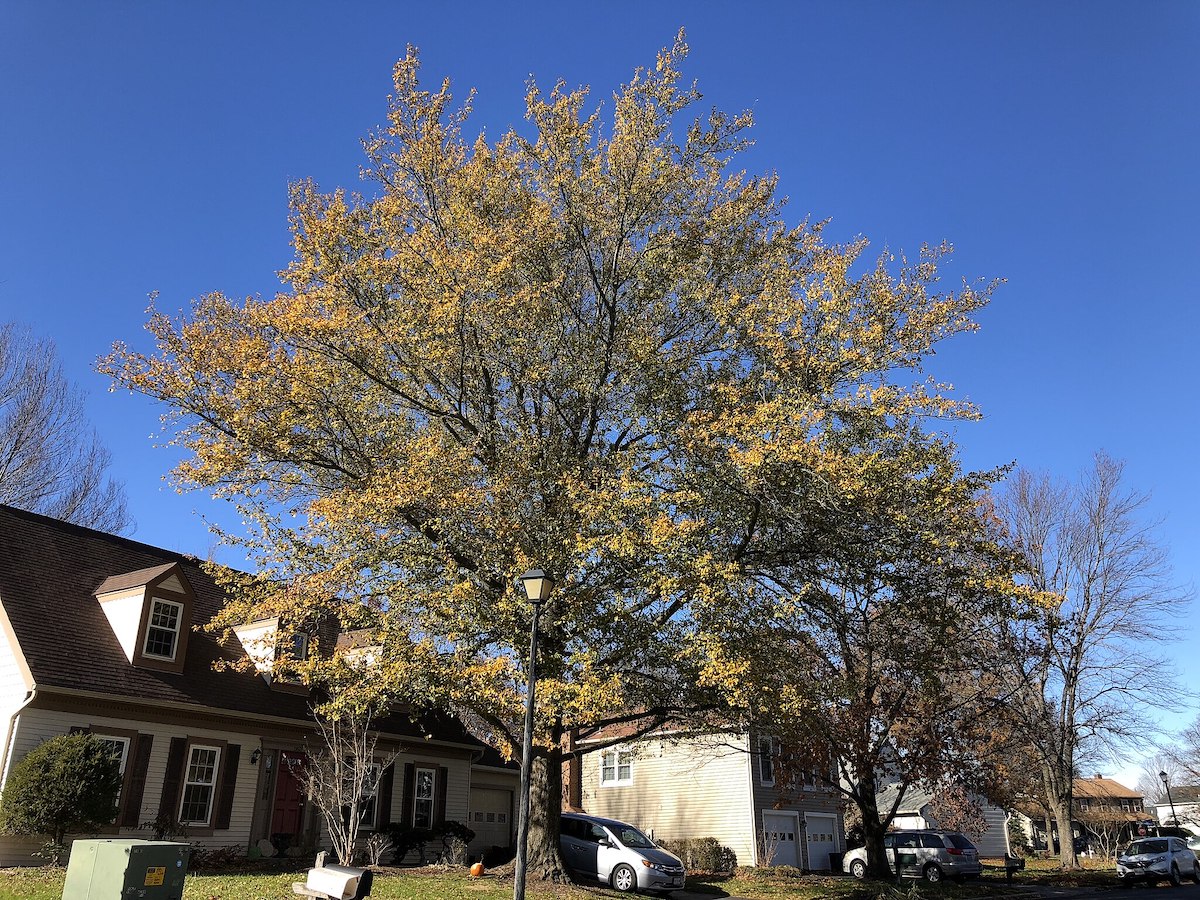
(126, 870)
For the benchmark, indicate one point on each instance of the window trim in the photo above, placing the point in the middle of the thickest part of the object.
(417, 798)
(214, 785)
(180, 611)
(622, 758)
(376, 776)
(765, 758)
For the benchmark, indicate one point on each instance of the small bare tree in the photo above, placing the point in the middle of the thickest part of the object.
(1106, 829)
(1080, 665)
(342, 777)
(51, 461)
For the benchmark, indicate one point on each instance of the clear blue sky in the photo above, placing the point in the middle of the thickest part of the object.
(147, 146)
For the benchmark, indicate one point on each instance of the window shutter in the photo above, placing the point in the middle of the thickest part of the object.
(406, 797)
(168, 806)
(439, 803)
(229, 773)
(135, 788)
(383, 799)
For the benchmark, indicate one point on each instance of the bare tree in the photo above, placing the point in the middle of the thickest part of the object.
(1150, 781)
(1106, 828)
(342, 778)
(51, 462)
(1079, 666)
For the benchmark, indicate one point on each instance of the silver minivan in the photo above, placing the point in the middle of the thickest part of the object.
(618, 854)
(928, 853)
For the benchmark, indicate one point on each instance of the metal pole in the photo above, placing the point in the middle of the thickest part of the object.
(526, 765)
(1174, 818)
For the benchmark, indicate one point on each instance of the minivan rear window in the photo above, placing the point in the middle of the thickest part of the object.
(960, 841)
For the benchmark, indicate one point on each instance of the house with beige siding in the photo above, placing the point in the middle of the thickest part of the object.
(100, 633)
(722, 785)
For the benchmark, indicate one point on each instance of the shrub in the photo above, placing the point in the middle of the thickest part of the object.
(705, 854)
(68, 785)
(451, 837)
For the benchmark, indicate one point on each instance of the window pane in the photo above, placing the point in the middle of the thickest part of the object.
(119, 748)
(163, 629)
(199, 782)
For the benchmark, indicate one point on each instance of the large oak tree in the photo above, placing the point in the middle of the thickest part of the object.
(591, 346)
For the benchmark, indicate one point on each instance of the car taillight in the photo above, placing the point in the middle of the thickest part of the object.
(954, 851)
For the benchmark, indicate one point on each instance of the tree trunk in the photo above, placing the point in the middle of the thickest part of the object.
(873, 830)
(1066, 833)
(544, 861)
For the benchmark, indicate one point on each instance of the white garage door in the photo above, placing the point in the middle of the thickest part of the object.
(491, 817)
(821, 840)
(780, 837)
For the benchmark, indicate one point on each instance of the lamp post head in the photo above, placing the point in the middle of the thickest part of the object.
(1162, 776)
(537, 585)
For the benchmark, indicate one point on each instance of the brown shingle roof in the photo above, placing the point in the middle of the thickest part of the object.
(1104, 788)
(132, 579)
(50, 572)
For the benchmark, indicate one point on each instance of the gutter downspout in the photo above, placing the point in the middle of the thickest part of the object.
(12, 728)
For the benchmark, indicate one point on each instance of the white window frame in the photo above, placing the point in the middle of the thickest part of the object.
(151, 628)
(211, 785)
(375, 772)
(418, 799)
(116, 739)
(765, 760)
(610, 772)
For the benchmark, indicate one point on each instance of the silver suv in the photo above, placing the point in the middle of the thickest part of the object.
(617, 853)
(928, 853)
(1154, 859)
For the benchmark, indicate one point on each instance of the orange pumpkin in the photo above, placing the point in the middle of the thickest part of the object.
(477, 870)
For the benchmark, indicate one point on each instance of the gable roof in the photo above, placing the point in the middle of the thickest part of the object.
(916, 798)
(50, 573)
(1101, 788)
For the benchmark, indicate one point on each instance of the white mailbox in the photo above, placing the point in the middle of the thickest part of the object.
(339, 882)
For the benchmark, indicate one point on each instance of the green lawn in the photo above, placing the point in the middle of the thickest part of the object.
(426, 884)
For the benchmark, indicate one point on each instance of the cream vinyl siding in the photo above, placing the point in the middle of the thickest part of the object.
(12, 695)
(690, 788)
(37, 726)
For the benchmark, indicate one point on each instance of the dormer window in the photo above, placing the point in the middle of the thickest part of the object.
(268, 644)
(150, 612)
(162, 633)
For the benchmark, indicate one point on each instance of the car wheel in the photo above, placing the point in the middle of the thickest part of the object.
(1176, 878)
(933, 873)
(1196, 873)
(858, 869)
(624, 879)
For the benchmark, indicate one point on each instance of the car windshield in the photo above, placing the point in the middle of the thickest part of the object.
(633, 838)
(1158, 845)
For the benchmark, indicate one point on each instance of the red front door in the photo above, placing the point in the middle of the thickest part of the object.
(288, 815)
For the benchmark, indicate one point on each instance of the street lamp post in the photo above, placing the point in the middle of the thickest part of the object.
(1167, 786)
(537, 585)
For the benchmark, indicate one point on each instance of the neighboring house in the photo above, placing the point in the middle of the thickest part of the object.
(99, 633)
(1184, 805)
(916, 810)
(721, 785)
(1099, 803)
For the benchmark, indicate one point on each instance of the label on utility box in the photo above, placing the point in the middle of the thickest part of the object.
(155, 875)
